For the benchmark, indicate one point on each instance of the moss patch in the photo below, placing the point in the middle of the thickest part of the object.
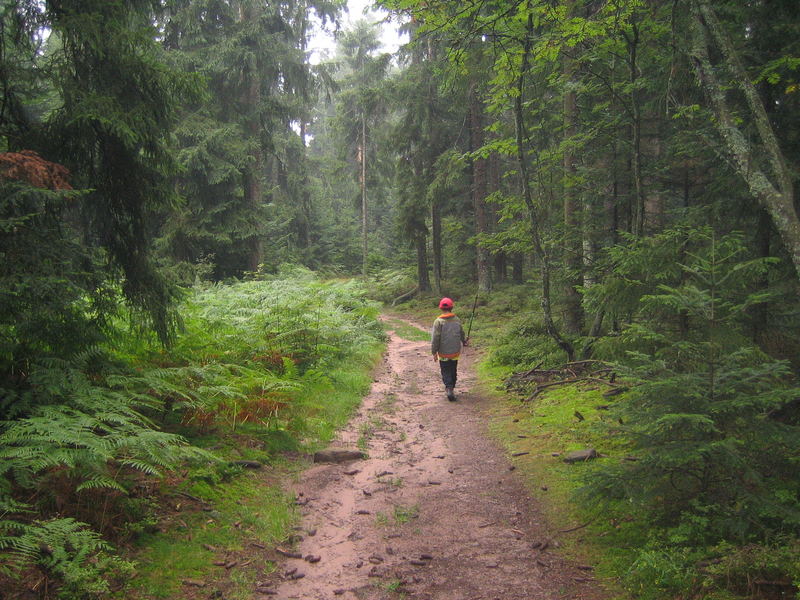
(546, 428)
(237, 523)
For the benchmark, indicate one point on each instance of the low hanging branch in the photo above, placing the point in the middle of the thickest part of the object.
(405, 296)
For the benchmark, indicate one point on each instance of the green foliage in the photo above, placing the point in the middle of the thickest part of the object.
(748, 569)
(715, 461)
(66, 550)
(388, 284)
(524, 344)
(657, 572)
(117, 105)
(232, 333)
(52, 294)
(86, 438)
(280, 360)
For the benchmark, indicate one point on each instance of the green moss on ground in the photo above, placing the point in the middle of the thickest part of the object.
(247, 510)
(545, 429)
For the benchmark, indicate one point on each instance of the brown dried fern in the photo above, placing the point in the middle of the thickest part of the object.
(28, 166)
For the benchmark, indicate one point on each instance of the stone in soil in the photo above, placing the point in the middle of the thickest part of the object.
(338, 455)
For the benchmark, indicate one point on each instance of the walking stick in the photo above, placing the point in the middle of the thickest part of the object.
(472, 316)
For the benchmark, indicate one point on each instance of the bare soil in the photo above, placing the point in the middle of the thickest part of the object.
(434, 513)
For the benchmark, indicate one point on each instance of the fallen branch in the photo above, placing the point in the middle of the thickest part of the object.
(405, 296)
(571, 529)
(194, 498)
(540, 387)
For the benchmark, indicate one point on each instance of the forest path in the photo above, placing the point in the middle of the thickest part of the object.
(434, 513)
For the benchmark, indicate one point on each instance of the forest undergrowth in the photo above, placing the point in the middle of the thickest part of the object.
(135, 470)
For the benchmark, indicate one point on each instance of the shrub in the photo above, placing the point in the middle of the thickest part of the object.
(714, 464)
(524, 345)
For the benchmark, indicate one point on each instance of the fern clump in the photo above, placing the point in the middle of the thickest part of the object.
(83, 431)
(253, 347)
(68, 551)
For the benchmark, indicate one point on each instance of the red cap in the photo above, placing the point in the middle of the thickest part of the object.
(445, 304)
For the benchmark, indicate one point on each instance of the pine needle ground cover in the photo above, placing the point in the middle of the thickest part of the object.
(153, 452)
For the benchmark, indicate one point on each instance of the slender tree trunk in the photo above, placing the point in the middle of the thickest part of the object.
(538, 246)
(499, 257)
(421, 243)
(420, 229)
(517, 261)
(255, 171)
(773, 188)
(363, 184)
(615, 195)
(500, 266)
(436, 245)
(636, 131)
(479, 186)
(304, 224)
(304, 221)
(573, 251)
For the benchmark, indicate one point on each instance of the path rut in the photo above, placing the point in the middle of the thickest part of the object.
(434, 513)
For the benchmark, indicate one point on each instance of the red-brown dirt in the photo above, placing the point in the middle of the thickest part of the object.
(434, 513)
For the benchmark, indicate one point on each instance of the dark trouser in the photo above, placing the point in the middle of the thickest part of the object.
(449, 372)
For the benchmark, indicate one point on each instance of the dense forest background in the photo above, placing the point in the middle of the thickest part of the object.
(624, 170)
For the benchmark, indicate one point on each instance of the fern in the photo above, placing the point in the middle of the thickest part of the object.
(66, 550)
(85, 424)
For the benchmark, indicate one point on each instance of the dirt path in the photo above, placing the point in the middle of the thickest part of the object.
(434, 513)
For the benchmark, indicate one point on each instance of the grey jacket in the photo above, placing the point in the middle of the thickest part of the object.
(447, 336)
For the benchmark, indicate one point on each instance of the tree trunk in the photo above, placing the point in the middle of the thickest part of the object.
(573, 243)
(255, 170)
(533, 216)
(773, 190)
(517, 262)
(479, 186)
(500, 266)
(638, 212)
(304, 221)
(499, 257)
(436, 245)
(421, 243)
(362, 180)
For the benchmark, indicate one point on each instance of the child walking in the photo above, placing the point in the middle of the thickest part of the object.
(447, 337)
